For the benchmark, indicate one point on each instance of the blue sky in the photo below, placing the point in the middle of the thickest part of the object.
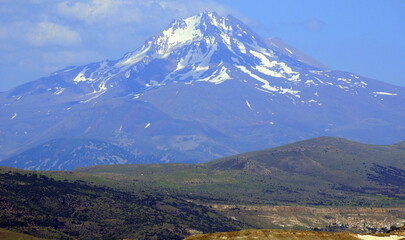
(38, 37)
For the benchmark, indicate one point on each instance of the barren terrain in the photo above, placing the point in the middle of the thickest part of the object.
(290, 234)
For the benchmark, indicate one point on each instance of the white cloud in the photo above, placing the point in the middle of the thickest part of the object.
(125, 11)
(90, 11)
(118, 26)
(46, 33)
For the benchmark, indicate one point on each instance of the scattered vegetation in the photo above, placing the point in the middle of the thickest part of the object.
(172, 201)
(48, 208)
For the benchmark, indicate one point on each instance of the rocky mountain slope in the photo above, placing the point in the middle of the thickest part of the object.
(67, 154)
(205, 87)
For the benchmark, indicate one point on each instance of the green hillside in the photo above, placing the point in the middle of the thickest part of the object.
(172, 201)
(335, 160)
(323, 171)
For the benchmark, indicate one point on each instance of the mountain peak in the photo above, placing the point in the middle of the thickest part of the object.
(205, 30)
(210, 48)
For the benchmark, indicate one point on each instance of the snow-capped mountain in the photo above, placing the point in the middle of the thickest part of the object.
(205, 87)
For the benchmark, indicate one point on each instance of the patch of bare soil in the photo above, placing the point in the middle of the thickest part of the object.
(329, 219)
(274, 235)
(255, 234)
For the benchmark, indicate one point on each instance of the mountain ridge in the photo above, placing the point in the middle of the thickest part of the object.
(67, 154)
(320, 171)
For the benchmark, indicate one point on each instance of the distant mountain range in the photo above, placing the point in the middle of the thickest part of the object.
(67, 154)
(204, 88)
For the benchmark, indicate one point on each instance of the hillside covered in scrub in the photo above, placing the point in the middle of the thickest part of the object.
(328, 184)
(44, 207)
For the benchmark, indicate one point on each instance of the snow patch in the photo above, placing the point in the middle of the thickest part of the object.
(385, 93)
(316, 72)
(310, 82)
(88, 129)
(199, 60)
(97, 93)
(153, 83)
(134, 58)
(217, 78)
(262, 50)
(81, 77)
(202, 68)
(266, 84)
(274, 68)
(241, 46)
(354, 76)
(248, 104)
(290, 91)
(69, 69)
(184, 61)
(319, 80)
(59, 90)
(344, 80)
(288, 50)
(226, 39)
(128, 74)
